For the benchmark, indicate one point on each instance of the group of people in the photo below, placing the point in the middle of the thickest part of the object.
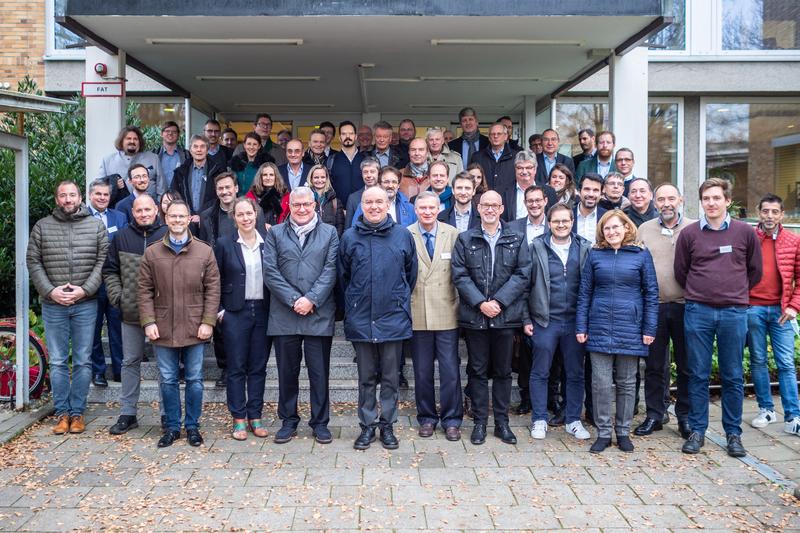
(572, 270)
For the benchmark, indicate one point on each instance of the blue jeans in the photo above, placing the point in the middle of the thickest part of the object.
(762, 320)
(702, 324)
(64, 325)
(168, 359)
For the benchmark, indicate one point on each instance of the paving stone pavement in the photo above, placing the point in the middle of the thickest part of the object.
(94, 481)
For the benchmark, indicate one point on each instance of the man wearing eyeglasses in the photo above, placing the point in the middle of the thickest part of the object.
(624, 162)
(216, 151)
(497, 159)
(263, 128)
(170, 155)
(514, 198)
(491, 270)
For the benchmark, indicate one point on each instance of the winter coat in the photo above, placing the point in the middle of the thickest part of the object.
(67, 249)
(478, 281)
(787, 255)
(500, 174)
(245, 170)
(405, 211)
(182, 182)
(378, 271)
(331, 210)
(618, 300)
(291, 272)
(274, 206)
(178, 291)
(121, 269)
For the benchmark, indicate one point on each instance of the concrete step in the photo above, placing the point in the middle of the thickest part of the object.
(343, 390)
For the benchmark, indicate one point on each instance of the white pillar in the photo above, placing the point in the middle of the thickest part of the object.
(627, 98)
(104, 115)
(554, 114)
(530, 120)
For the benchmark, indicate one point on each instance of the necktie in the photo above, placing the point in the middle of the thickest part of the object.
(428, 243)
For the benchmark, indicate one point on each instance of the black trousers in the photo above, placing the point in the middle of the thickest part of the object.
(657, 371)
(248, 348)
(289, 351)
(219, 347)
(378, 361)
(441, 346)
(490, 349)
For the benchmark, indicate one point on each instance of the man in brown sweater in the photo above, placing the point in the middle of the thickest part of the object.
(717, 262)
(659, 235)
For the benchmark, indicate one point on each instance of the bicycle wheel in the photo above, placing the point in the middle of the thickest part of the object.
(37, 364)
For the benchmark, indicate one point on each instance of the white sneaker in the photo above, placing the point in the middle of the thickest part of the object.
(577, 430)
(792, 426)
(539, 429)
(764, 418)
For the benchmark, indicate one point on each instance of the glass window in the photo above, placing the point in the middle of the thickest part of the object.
(573, 117)
(662, 143)
(63, 38)
(673, 37)
(760, 25)
(757, 148)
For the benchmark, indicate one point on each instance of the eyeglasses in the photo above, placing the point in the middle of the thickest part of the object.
(177, 217)
(491, 207)
(170, 132)
(565, 222)
(534, 201)
(264, 124)
(526, 170)
(304, 205)
(615, 227)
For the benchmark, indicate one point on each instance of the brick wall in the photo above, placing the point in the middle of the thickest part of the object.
(22, 41)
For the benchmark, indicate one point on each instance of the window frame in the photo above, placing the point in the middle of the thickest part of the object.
(51, 52)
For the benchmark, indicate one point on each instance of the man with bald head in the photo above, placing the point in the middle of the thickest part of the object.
(491, 269)
(121, 274)
(415, 175)
(377, 269)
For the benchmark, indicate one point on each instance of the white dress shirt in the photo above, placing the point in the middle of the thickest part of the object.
(253, 277)
(586, 225)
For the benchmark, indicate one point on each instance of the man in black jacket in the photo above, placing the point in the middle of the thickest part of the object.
(121, 274)
(195, 177)
(463, 214)
(471, 141)
(550, 157)
(491, 270)
(497, 160)
(219, 153)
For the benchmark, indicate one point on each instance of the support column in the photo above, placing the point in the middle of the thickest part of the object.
(627, 98)
(104, 115)
(529, 126)
(554, 114)
(694, 169)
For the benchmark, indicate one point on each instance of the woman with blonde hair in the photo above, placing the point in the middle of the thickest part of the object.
(617, 319)
(329, 208)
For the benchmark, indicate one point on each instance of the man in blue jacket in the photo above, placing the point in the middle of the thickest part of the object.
(113, 220)
(377, 269)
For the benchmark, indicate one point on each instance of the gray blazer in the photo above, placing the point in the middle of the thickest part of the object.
(291, 272)
(539, 296)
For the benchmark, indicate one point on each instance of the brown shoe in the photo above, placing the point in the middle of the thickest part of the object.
(62, 426)
(452, 433)
(426, 430)
(76, 424)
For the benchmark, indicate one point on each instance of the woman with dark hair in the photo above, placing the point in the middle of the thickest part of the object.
(246, 163)
(617, 319)
(163, 203)
(562, 180)
(244, 309)
(476, 171)
(329, 208)
(270, 193)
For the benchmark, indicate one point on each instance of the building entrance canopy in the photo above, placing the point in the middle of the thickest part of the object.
(396, 57)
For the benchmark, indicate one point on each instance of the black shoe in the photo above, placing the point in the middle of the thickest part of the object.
(647, 427)
(163, 423)
(684, 428)
(524, 407)
(193, 437)
(99, 380)
(403, 381)
(322, 435)
(388, 440)
(665, 419)
(366, 438)
(117, 378)
(124, 424)
(504, 433)
(558, 419)
(285, 434)
(624, 443)
(600, 444)
(735, 448)
(478, 434)
(221, 381)
(168, 438)
(693, 443)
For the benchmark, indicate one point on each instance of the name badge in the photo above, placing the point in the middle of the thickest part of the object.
(446, 255)
(112, 229)
(725, 249)
(666, 231)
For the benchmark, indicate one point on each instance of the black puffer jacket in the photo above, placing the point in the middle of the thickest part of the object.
(121, 269)
(67, 249)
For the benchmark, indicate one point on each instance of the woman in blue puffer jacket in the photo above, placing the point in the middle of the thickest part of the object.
(617, 319)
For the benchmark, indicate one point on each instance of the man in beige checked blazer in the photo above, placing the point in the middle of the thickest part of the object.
(434, 308)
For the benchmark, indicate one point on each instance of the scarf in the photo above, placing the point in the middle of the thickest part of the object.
(471, 138)
(420, 171)
(303, 231)
(316, 159)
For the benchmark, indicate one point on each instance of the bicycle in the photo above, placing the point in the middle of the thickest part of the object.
(37, 362)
